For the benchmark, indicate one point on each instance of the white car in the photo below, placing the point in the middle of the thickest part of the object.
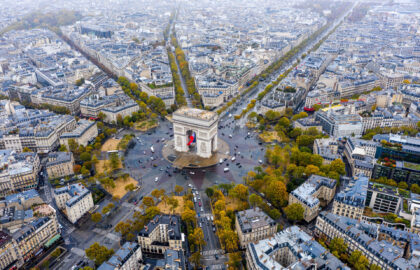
(260, 161)
(192, 173)
(233, 158)
(230, 135)
(156, 179)
(226, 169)
(221, 160)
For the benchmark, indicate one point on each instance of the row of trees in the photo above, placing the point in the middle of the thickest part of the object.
(243, 93)
(185, 71)
(179, 92)
(415, 188)
(132, 90)
(45, 106)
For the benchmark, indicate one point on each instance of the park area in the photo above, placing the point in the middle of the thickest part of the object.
(105, 165)
(146, 125)
(270, 136)
(110, 145)
(166, 208)
(120, 187)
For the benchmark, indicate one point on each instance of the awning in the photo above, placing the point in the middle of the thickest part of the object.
(52, 240)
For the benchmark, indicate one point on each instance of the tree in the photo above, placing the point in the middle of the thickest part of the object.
(173, 202)
(130, 187)
(255, 200)
(157, 193)
(197, 238)
(338, 166)
(98, 253)
(188, 216)
(209, 192)
(240, 191)
(123, 228)
(87, 268)
(402, 185)
(26, 149)
(85, 156)
(178, 189)
(358, 261)
(195, 258)
(148, 201)
(415, 188)
(62, 148)
(235, 260)
(294, 211)
(311, 169)
(96, 217)
(276, 192)
(77, 168)
(105, 210)
(114, 160)
(338, 245)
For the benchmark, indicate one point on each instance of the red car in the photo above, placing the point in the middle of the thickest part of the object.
(199, 203)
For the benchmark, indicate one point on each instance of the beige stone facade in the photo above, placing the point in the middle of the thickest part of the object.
(253, 225)
(60, 164)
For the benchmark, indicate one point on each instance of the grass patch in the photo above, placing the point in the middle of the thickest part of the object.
(146, 125)
(110, 145)
(412, 166)
(269, 136)
(119, 189)
(104, 166)
(166, 209)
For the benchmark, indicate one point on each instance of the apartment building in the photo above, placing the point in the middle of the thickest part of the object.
(316, 192)
(74, 200)
(38, 130)
(18, 171)
(172, 259)
(85, 132)
(123, 110)
(292, 249)
(327, 149)
(32, 237)
(161, 233)
(351, 201)
(384, 199)
(340, 124)
(253, 225)
(388, 248)
(128, 257)
(8, 254)
(91, 106)
(360, 155)
(59, 164)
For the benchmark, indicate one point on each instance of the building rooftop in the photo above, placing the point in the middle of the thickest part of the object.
(196, 113)
(76, 192)
(355, 192)
(304, 192)
(173, 226)
(252, 219)
(120, 257)
(302, 248)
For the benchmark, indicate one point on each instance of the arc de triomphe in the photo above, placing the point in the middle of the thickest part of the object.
(203, 124)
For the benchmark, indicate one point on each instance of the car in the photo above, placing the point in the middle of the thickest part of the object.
(226, 169)
(208, 218)
(161, 169)
(211, 218)
(190, 186)
(156, 179)
(216, 256)
(199, 203)
(260, 161)
(195, 199)
(221, 160)
(201, 209)
(199, 224)
(198, 214)
(214, 229)
(192, 173)
(233, 158)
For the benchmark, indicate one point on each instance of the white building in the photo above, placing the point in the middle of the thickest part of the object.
(75, 200)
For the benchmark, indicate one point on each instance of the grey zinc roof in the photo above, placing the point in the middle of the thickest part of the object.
(252, 219)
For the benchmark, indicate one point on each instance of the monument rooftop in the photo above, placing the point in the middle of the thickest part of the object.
(196, 113)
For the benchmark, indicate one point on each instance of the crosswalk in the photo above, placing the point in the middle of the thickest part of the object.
(218, 266)
(78, 251)
(212, 252)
